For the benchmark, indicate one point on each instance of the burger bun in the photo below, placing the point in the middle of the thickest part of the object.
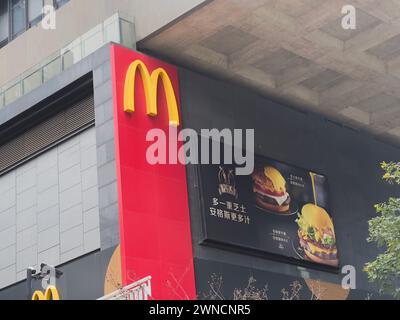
(314, 258)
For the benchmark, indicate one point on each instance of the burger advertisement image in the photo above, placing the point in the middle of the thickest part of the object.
(270, 190)
(279, 212)
(317, 235)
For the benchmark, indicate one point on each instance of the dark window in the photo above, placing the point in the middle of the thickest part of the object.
(3, 23)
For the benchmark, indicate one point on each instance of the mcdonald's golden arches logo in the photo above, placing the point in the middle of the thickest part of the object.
(150, 85)
(51, 293)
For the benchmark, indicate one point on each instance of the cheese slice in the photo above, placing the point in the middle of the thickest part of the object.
(279, 199)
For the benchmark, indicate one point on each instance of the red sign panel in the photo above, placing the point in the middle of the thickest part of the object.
(153, 203)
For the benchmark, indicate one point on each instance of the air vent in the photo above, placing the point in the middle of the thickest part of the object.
(46, 134)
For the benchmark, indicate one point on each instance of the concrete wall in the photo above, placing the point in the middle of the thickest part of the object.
(77, 17)
(97, 65)
(49, 208)
(100, 229)
(349, 159)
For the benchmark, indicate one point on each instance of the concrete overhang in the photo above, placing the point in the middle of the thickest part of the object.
(297, 52)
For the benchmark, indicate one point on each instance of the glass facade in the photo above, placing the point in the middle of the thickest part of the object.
(32, 81)
(114, 29)
(17, 16)
(34, 11)
(52, 69)
(12, 93)
(3, 23)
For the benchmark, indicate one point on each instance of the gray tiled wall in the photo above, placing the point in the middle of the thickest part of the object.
(49, 208)
(108, 203)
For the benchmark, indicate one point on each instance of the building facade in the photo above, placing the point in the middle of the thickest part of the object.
(78, 193)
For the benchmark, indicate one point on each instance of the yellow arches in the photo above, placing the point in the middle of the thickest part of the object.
(51, 293)
(150, 86)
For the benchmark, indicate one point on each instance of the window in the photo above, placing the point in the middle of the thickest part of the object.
(18, 17)
(34, 12)
(3, 23)
(59, 3)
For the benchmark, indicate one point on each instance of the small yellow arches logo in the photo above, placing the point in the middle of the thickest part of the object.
(150, 86)
(51, 293)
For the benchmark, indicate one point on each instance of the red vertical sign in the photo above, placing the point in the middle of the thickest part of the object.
(153, 203)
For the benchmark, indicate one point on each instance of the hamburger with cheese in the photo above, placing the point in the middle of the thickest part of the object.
(269, 188)
(317, 235)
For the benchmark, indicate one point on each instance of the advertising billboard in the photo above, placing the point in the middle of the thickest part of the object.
(280, 210)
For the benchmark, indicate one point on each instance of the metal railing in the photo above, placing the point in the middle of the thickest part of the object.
(139, 290)
(114, 29)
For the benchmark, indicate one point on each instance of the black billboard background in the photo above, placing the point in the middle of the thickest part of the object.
(232, 218)
(223, 281)
(350, 159)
